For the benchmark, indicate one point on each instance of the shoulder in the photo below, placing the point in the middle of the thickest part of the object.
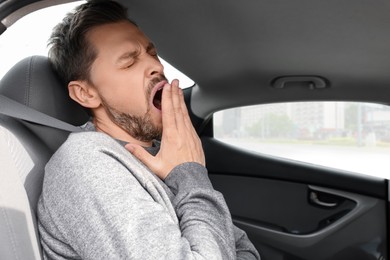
(85, 156)
(89, 139)
(88, 165)
(84, 144)
(77, 150)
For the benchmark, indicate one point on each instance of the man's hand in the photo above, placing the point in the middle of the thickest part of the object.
(179, 143)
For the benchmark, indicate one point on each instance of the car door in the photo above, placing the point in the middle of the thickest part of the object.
(293, 210)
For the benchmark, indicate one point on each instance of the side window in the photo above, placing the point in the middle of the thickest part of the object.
(343, 135)
(29, 35)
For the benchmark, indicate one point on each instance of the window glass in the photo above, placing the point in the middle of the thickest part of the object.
(29, 35)
(344, 135)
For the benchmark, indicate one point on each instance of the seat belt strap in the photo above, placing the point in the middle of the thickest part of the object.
(17, 110)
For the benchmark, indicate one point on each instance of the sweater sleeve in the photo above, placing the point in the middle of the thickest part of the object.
(96, 209)
(204, 217)
(244, 247)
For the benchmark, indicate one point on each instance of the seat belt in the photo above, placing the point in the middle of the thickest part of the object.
(17, 110)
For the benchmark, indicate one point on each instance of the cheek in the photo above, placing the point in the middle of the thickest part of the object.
(121, 90)
(131, 100)
(135, 103)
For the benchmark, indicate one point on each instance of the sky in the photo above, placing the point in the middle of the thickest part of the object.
(28, 36)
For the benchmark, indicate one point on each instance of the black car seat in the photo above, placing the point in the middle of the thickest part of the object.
(25, 147)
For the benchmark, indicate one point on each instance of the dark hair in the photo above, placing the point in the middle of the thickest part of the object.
(70, 52)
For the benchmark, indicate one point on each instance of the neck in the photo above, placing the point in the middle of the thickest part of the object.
(117, 132)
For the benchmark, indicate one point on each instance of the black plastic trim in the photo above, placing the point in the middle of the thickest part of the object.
(226, 159)
(3, 28)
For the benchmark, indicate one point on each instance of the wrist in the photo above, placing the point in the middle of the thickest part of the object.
(188, 176)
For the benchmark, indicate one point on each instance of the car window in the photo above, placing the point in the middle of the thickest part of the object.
(345, 135)
(29, 35)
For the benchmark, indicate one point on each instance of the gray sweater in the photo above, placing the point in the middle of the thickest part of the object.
(99, 202)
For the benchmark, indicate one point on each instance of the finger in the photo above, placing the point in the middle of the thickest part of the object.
(177, 103)
(168, 118)
(186, 116)
(175, 97)
(175, 83)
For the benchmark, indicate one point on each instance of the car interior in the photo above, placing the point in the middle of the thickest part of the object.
(237, 53)
(27, 149)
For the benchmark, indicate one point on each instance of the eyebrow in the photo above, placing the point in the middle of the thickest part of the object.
(127, 56)
(132, 54)
(150, 47)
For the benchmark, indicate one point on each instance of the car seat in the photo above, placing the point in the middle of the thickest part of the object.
(25, 148)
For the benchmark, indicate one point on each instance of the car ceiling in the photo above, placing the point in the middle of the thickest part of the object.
(234, 50)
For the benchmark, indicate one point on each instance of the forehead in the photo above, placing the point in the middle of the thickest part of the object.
(114, 36)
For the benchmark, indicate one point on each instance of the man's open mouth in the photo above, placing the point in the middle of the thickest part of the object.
(157, 98)
(156, 93)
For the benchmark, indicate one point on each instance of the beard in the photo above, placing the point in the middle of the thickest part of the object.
(141, 128)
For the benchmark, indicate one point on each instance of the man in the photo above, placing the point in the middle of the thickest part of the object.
(98, 200)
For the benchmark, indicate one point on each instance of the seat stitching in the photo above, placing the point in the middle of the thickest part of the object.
(11, 232)
(28, 82)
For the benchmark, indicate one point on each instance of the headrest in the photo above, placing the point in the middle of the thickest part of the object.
(34, 83)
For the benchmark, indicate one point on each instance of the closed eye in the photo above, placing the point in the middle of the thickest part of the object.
(127, 59)
(128, 65)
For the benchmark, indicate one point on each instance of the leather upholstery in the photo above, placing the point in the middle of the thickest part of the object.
(33, 82)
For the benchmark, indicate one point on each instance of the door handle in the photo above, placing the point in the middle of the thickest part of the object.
(297, 242)
(316, 200)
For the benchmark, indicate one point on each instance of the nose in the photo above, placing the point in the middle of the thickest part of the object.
(154, 66)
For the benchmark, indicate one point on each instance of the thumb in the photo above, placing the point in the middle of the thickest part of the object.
(140, 152)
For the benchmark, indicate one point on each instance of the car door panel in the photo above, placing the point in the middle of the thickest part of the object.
(316, 214)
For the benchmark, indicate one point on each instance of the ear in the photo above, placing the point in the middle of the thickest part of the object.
(84, 94)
